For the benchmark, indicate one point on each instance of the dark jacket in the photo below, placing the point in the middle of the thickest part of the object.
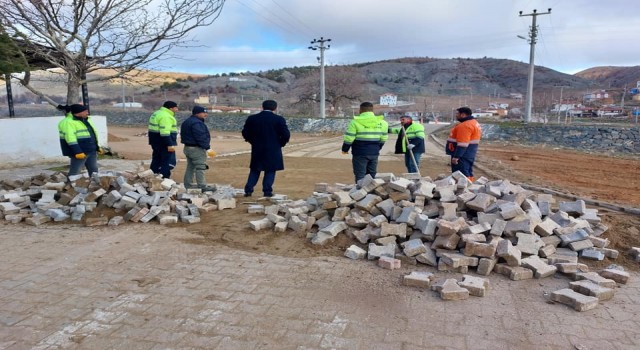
(80, 136)
(267, 133)
(194, 132)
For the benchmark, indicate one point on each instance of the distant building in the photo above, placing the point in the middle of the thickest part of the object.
(237, 79)
(128, 105)
(388, 99)
(601, 96)
(515, 96)
(202, 100)
(497, 105)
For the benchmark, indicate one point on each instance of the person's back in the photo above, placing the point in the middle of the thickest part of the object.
(267, 133)
(365, 136)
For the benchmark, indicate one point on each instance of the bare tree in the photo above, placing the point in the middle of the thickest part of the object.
(343, 86)
(80, 36)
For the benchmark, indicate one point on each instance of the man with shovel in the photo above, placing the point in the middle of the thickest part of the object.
(410, 142)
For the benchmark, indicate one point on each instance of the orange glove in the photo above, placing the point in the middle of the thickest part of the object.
(100, 151)
(345, 153)
(211, 153)
(80, 156)
(171, 149)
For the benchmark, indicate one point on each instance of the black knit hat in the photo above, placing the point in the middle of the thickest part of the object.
(169, 104)
(198, 109)
(75, 109)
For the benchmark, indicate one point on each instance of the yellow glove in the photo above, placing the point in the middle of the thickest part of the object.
(345, 153)
(100, 151)
(211, 153)
(171, 149)
(81, 156)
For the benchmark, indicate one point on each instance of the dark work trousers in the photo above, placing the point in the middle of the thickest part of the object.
(90, 162)
(363, 165)
(267, 182)
(464, 165)
(162, 161)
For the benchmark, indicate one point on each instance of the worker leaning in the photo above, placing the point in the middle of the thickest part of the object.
(462, 144)
(80, 140)
(163, 138)
(365, 136)
(411, 143)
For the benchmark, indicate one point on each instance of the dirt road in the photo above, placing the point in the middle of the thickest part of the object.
(311, 159)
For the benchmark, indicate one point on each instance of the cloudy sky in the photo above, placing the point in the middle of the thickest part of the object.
(254, 35)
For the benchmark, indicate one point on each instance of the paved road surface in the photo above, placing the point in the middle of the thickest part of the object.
(152, 287)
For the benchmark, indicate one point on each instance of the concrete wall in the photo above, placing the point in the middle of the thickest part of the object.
(32, 140)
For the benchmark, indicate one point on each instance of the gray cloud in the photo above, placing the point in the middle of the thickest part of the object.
(266, 34)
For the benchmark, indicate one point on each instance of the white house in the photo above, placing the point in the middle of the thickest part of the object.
(388, 99)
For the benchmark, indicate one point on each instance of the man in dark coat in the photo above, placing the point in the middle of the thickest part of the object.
(267, 133)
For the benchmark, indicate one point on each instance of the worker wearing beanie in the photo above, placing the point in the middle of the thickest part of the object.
(81, 141)
(163, 137)
(196, 138)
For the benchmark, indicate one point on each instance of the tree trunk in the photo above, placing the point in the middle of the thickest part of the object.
(73, 90)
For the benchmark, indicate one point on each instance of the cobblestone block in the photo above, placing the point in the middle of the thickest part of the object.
(408, 216)
(37, 219)
(484, 250)
(481, 202)
(546, 227)
(425, 189)
(518, 225)
(389, 263)
(447, 194)
(256, 209)
(509, 253)
(546, 251)
(539, 267)
(446, 227)
(111, 199)
(376, 251)
(340, 214)
(529, 243)
(577, 207)
(485, 266)
(580, 245)
(115, 221)
(572, 268)
(386, 207)
(296, 224)
(281, 226)
(400, 184)
(389, 229)
(190, 219)
(515, 273)
(510, 210)
(576, 235)
(634, 252)
(368, 202)
(99, 221)
(589, 288)
(428, 257)
(609, 253)
(355, 194)
(152, 213)
(596, 278)
(599, 242)
(9, 208)
(619, 276)
(454, 259)
(561, 218)
(450, 290)
(413, 247)
(599, 229)
(551, 240)
(261, 224)
(592, 254)
(168, 218)
(140, 214)
(226, 203)
(343, 198)
(334, 228)
(447, 242)
(448, 211)
(419, 279)
(57, 214)
(575, 300)
(497, 229)
(476, 286)
(354, 252)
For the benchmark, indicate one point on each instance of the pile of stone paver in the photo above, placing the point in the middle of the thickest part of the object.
(455, 225)
(131, 196)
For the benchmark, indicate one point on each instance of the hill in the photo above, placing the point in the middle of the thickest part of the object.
(611, 76)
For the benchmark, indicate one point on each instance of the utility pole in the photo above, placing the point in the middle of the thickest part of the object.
(318, 44)
(560, 102)
(532, 42)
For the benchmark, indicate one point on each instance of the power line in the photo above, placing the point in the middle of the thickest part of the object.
(311, 31)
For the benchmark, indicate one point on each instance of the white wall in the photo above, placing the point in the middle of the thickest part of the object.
(31, 140)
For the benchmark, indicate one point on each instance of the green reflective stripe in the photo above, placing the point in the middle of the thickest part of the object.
(350, 134)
